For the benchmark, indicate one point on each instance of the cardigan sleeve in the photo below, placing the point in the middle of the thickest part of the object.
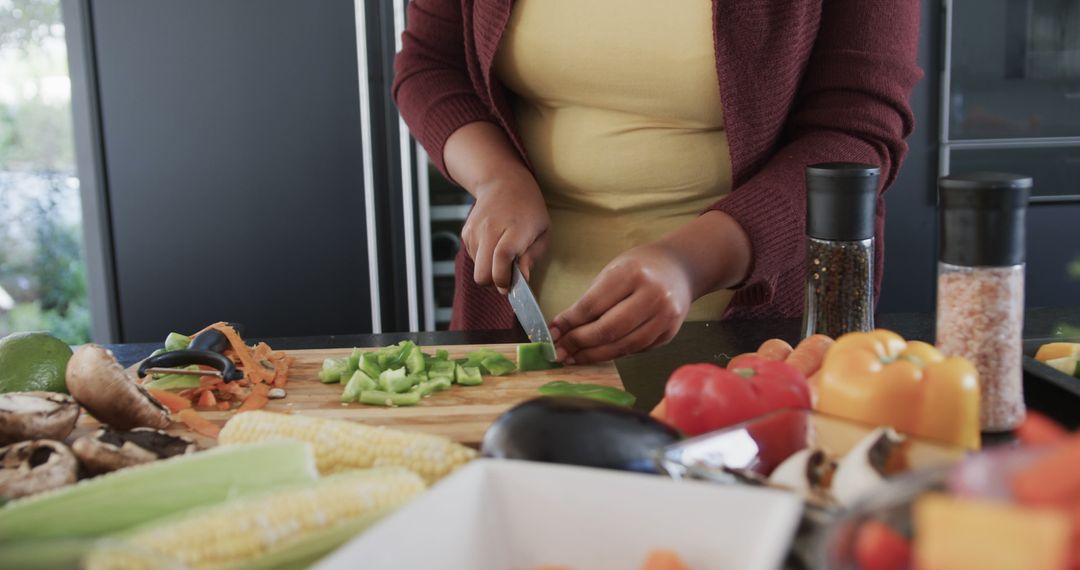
(432, 87)
(852, 106)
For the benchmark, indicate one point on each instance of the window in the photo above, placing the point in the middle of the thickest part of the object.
(42, 271)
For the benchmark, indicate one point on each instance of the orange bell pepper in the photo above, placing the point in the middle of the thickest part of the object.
(878, 378)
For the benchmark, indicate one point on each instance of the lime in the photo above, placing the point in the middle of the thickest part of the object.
(33, 361)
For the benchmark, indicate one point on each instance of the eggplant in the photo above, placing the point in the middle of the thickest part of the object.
(578, 431)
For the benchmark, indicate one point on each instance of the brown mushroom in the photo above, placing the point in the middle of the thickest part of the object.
(106, 390)
(36, 415)
(877, 456)
(109, 450)
(34, 466)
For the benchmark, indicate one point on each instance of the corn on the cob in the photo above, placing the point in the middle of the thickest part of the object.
(342, 445)
(133, 496)
(248, 529)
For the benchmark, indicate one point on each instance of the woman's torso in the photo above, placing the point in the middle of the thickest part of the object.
(618, 106)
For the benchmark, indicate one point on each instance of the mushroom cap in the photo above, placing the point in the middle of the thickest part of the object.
(31, 467)
(36, 415)
(106, 390)
(876, 456)
(109, 450)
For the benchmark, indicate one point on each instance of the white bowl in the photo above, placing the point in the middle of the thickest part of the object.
(511, 515)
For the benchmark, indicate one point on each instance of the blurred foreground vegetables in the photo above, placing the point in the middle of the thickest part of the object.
(958, 533)
(878, 378)
(342, 445)
(802, 361)
(704, 397)
(135, 495)
(1003, 509)
(292, 526)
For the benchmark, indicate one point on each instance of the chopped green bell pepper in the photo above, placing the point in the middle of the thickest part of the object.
(354, 360)
(395, 380)
(531, 356)
(175, 381)
(359, 382)
(369, 363)
(333, 369)
(476, 357)
(498, 365)
(441, 368)
(441, 383)
(414, 360)
(176, 341)
(468, 375)
(389, 399)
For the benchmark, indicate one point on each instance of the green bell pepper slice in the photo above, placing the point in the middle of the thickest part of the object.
(590, 391)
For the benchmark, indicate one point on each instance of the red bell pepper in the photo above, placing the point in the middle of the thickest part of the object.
(704, 397)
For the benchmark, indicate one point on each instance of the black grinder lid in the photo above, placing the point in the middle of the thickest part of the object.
(840, 200)
(982, 218)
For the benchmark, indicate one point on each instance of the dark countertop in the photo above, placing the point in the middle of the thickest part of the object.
(645, 374)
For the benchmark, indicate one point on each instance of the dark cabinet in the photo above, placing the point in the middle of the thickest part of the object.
(233, 156)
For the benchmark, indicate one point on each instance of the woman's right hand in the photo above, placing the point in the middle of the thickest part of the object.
(509, 221)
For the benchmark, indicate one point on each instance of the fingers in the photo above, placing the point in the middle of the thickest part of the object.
(610, 329)
(637, 340)
(608, 290)
(534, 252)
(494, 252)
(502, 262)
(483, 258)
(665, 337)
(511, 246)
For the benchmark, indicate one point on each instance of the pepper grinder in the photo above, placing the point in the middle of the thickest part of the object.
(840, 203)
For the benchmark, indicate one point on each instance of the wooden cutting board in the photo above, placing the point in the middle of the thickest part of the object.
(462, 413)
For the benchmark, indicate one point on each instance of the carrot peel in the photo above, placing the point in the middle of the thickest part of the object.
(257, 399)
(174, 402)
(197, 423)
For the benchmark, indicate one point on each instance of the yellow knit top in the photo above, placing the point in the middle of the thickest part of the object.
(618, 105)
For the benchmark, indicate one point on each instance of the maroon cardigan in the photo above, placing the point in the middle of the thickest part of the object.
(802, 81)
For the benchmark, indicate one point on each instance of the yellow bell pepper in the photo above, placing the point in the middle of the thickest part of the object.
(878, 378)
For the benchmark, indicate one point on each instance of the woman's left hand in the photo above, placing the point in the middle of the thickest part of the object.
(643, 296)
(637, 302)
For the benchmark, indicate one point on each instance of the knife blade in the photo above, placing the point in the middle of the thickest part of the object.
(528, 313)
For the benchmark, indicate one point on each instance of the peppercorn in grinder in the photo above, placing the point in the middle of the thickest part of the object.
(840, 201)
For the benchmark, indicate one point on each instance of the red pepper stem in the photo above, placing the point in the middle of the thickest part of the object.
(745, 372)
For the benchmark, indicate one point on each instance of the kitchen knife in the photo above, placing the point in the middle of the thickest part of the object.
(528, 313)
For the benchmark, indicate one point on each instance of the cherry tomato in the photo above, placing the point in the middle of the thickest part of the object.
(879, 547)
